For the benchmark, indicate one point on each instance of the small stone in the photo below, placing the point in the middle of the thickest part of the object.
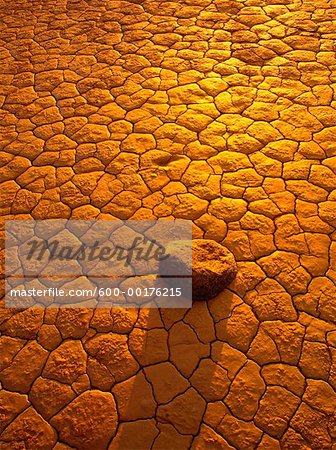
(213, 266)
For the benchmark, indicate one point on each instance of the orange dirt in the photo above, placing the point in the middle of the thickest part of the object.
(218, 111)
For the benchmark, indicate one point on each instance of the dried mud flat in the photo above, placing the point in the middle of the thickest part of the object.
(222, 112)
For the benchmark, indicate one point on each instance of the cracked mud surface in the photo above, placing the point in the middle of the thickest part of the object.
(218, 111)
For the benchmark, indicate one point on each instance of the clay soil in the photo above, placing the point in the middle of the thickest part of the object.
(218, 111)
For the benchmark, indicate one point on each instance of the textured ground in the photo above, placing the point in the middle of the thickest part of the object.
(219, 111)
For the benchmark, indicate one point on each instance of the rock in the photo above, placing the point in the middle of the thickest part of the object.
(213, 266)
